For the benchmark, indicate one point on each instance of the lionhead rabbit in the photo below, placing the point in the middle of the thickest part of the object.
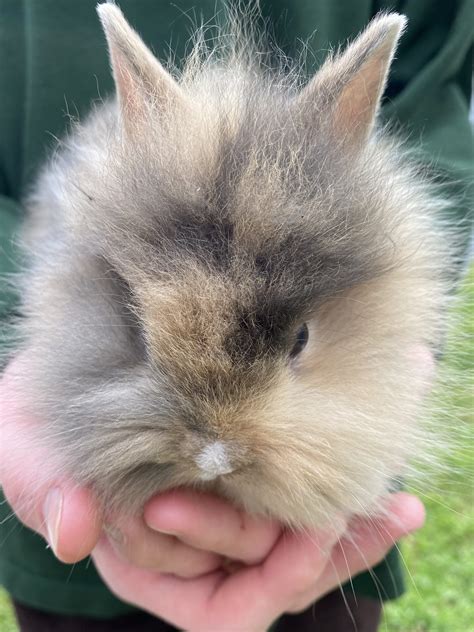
(230, 276)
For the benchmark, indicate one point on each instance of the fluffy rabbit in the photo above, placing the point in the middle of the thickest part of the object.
(229, 275)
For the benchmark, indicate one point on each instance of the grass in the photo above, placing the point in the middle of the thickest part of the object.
(7, 620)
(440, 558)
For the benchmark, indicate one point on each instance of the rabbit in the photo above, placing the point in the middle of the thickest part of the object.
(229, 270)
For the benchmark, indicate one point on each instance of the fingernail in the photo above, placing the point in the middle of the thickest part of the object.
(156, 527)
(52, 511)
(174, 534)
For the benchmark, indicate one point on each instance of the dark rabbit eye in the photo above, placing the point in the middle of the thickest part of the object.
(301, 340)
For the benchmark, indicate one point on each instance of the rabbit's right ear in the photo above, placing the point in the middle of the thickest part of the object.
(351, 84)
(141, 81)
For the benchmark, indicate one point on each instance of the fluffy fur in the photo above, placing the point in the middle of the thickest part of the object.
(178, 240)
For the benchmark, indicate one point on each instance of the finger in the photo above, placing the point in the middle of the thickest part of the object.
(139, 545)
(79, 524)
(367, 541)
(295, 561)
(210, 523)
(69, 518)
(66, 515)
(365, 545)
(181, 602)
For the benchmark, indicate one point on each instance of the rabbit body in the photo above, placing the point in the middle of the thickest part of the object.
(230, 276)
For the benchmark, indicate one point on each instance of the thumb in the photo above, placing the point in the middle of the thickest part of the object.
(66, 515)
(72, 522)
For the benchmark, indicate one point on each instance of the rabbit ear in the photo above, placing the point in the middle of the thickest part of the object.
(352, 83)
(140, 79)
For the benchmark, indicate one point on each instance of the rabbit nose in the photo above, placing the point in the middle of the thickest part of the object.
(214, 460)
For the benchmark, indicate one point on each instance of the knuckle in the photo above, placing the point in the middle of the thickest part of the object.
(305, 576)
(308, 572)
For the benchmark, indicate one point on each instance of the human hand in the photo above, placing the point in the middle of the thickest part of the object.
(299, 569)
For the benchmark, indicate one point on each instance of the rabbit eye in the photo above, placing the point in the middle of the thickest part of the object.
(300, 340)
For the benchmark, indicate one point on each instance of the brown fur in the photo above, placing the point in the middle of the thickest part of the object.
(181, 236)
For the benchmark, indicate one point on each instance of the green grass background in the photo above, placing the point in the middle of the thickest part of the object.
(440, 558)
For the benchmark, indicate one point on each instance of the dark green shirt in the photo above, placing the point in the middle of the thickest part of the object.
(54, 62)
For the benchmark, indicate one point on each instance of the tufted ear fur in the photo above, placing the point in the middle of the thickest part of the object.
(141, 81)
(352, 83)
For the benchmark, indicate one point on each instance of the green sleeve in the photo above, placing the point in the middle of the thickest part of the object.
(429, 96)
(12, 86)
(9, 220)
(10, 217)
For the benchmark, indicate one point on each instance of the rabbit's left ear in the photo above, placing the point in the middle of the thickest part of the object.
(141, 81)
(352, 83)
